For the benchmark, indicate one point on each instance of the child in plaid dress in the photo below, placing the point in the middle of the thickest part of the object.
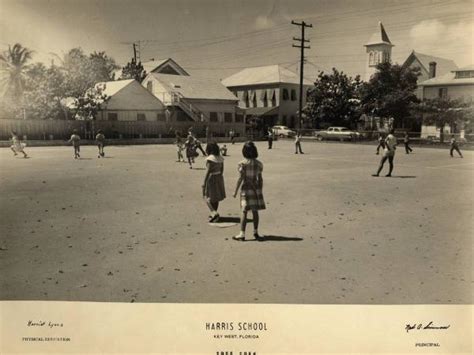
(251, 196)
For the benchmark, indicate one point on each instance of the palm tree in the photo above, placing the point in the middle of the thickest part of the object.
(13, 66)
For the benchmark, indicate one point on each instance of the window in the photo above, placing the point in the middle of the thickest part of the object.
(285, 94)
(293, 95)
(161, 116)
(246, 99)
(264, 98)
(228, 117)
(283, 120)
(112, 116)
(464, 74)
(254, 99)
(141, 117)
(372, 58)
(443, 93)
(273, 96)
(239, 118)
(149, 86)
(213, 116)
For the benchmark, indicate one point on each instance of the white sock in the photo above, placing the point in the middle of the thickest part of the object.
(255, 231)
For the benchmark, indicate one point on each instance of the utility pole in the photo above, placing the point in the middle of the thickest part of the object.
(136, 51)
(301, 45)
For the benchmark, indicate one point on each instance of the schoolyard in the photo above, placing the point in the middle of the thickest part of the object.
(133, 227)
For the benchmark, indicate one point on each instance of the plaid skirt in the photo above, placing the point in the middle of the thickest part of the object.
(251, 198)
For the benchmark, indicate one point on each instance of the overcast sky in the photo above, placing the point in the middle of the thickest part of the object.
(218, 37)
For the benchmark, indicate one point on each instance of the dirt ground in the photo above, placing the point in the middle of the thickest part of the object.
(133, 228)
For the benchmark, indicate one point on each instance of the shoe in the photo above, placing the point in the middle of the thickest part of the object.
(258, 237)
(376, 175)
(239, 238)
(301, 153)
(376, 153)
(98, 156)
(388, 175)
(214, 218)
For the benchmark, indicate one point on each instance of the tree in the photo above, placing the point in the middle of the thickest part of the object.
(133, 70)
(88, 105)
(13, 65)
(443, 112)
(390, 92)
(44, 93)
(334, 100)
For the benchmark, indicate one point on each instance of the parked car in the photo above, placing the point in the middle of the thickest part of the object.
(337, 133)
(283, 131)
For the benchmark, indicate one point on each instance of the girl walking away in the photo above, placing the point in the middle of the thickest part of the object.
(17, 146)
(298, 143)
(388, 153)
(213, 189)
(406, 141)
(251, 196)
(454, 146)
(100, 140)
(76, 142)
(190, 150)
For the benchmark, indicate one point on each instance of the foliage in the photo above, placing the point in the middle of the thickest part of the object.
(133, 70)
(13, 65)
(334, 100)
(40, 92)
(390, 92)
(443, 112)
(88, 105)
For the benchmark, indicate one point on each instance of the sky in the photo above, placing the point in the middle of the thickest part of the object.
(216, 38)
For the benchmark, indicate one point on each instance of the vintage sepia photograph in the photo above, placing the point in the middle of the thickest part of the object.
(265, 152)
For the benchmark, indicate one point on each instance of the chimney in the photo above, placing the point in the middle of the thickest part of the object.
(432, 72)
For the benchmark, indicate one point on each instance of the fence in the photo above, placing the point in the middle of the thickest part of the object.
(62, 129)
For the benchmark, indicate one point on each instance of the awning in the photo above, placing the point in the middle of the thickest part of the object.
(261, 111)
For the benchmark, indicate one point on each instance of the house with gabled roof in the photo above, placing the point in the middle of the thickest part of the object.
(127, 100)
(268, 94)
(202, 102)
(164, 66)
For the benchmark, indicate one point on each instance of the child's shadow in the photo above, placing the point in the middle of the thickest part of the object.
(199, 168)
(404, 176)
(277, 238)
(228, 220)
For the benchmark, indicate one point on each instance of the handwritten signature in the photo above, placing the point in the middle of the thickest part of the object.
(430, 325)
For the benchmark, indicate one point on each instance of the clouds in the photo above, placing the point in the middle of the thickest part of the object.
(451, 41)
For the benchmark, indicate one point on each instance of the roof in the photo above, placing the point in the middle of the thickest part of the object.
(261, 111)
(379, 37)
(448, 79)
(466, 68)
(153, 65)
(113, 87)
(270, 74)
(195, 88)
(443, 65)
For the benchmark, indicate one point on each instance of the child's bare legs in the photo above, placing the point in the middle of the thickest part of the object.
(255, 221)
(190, 162)
(14, 151)
(24, 154)
(213, 206)
(243, 222)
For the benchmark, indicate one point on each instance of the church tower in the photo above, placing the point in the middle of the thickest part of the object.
(379, 50)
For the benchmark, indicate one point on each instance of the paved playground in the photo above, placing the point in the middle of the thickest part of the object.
(133, 228)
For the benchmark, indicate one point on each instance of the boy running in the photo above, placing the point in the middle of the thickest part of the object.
(75, 140)
(454, 146)
(100, 140)
(388, 153)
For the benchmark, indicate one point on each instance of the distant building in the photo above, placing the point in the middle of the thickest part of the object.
(379, 50)
(199, 101)
(429, 66)
(269, 94)
(129, 101)
(457, 84)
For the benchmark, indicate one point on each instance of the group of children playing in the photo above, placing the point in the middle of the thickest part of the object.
(191, 146)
